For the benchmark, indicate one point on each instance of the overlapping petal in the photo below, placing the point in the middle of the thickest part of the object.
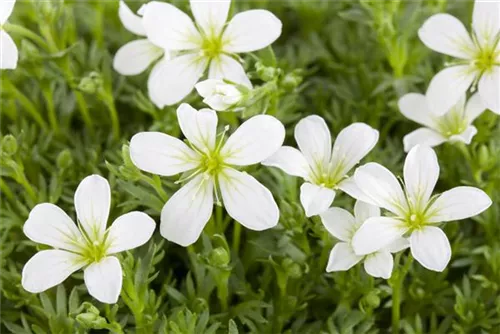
(414, 106)
(199, 127)
(315, 199)
(254, 141)
(161, 154)
(226, 67)
(489, 88)
(377, 233)
(104, 279)
(130, 21)
(247, 201)
(342, 258)
(186, 213)
(135, 57)
(290, 160)
(379, 264)
(431, 248)
(340, 223)
(250, 31)
(424, 137)
(92, 204)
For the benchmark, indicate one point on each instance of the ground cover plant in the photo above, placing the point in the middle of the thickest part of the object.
(260, 166)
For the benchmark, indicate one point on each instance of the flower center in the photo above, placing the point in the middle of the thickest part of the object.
(94, 251)
(212, 164)
(212, 46)
(452, 123)
(486, 59)
(415, 221)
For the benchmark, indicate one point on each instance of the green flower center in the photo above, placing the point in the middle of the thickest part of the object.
(486, 59)
(453, 123)
(94, 251)
(415, 221)
(212, 164)
(212, 46)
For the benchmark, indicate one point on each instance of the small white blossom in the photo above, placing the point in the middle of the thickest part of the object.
(455, 125)
(478, 54)
(210, 43)
(413, 210)
(8, 49)
(218, 95)
(343, 225)
(88, 244)
(322, 167)
(135, 57)
(208, 166)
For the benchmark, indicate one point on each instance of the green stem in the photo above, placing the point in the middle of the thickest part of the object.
(27, 104)
(108, 100)
(52, 111)
(399, 277)
(236, 238)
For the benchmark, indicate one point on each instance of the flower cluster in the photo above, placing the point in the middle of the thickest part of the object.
(389, 216)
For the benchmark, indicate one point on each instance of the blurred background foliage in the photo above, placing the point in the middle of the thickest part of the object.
(66, 114)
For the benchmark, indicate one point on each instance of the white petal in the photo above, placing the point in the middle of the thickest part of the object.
(49, 268)
(207, 87)
(350, 187)
(247, 201)
(474, 108)
(421, 172)
(250, 31)
(290, 160)
(129, 231)
(424, 137)
(199, 127)
(8, 52)
(382, 187)
(92, 204)
(314, 140)
(254, 141)
(187, 212)
(342, 258)
(458, 203)
(339, 223)
(6, 7)
(466, 136)
(104, 280)
(414, 107)
(489, 88)
(446, 34)
(315, 199)
(398, 245)
(431, 248)
(447, 87)
(225, 67)
(161, 154)
(377, 233)
(486, 20)
(171, 80)
(363, 211)
(49, 225)
(379, 264)
(130, 21)
(351, 145)
(135, 57)
(210, 15)
(170, 28)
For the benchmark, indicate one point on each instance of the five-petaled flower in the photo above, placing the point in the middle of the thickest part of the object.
(219, 95)
(88, 245)
(8, 49)
(209, 167)
(209, 43)
(478, 56)
(414, 211)
(322, 168)
(453, 126)
(135, 57)
(343, 226)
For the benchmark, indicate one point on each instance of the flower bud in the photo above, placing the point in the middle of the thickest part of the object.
(219, 257)
(91, 320)
(64, 159)
(9, 145)
(291, 81)
(266, 73)
(292, 269)
(91, 83)
(219, 95)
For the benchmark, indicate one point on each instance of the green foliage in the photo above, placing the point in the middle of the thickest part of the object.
(66, 114)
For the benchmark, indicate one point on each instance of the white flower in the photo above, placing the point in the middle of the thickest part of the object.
(455, 125)
(8, 49)
(88, 245)
(217, 94)
(413, 211)
(322, 168)
(478, 56)
(135, 57)
(210, 43)
(209, 167)
(343, 225)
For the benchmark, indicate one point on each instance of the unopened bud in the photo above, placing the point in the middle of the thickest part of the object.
(9, 145)
(219, 257)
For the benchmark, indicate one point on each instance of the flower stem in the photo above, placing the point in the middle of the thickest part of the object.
(236, 238)
(397, 282)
